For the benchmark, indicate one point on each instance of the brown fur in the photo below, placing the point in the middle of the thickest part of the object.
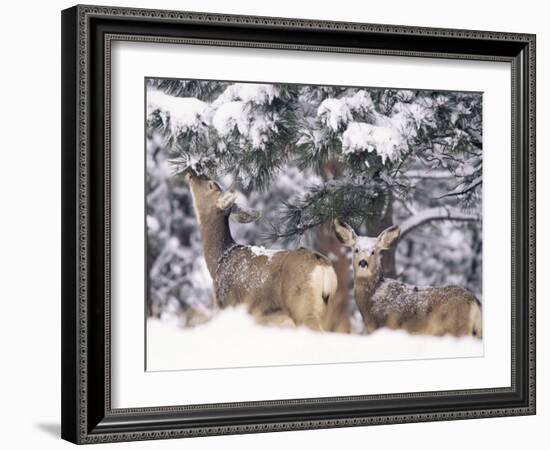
(281, 287)
(276, 285)
(389, 303)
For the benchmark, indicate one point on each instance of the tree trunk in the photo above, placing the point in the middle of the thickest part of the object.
(329, 245)
(377, 224)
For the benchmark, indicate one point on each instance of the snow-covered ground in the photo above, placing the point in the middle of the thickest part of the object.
(232, 339)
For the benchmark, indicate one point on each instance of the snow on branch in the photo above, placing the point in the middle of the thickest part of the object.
(433, 214)
(180, 114)
(359, 137)
(434, 174)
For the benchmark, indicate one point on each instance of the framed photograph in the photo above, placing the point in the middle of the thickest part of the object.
(281, 224)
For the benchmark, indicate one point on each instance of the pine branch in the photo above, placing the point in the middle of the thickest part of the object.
(350, 200)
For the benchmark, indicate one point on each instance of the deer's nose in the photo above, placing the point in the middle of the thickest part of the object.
(363, 263)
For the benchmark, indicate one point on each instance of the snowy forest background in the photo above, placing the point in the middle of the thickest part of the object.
(302, 155)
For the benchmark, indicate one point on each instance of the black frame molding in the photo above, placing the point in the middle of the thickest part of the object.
(87, 34)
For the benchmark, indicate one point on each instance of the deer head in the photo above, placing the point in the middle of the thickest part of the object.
(213, 207)
(367, 251)
(212, 202)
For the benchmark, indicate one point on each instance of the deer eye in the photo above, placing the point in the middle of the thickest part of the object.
(356, 250)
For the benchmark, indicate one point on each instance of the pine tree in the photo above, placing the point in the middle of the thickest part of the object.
(374, 136)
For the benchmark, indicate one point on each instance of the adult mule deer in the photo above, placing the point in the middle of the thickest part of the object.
(385, 302)
(285, 287)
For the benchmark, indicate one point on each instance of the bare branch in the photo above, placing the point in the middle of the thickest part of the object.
(434, 214)
(428, 174)
(457, 192)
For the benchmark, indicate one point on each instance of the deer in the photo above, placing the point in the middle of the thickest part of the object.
(279, 287)
(385, 302)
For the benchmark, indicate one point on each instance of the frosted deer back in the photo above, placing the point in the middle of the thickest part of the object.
(385, 302)
(288, 287)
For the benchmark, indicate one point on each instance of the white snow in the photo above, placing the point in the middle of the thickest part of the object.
(233, 339)
(232, 110)
(365, 243)
(173, 243)
(411, 116)
(185, 113)
(336, 112)
(360, 137)
(236, 114)
(257, 131)
(153, 225)
(405, 95)
(386, 135)
(361, 101)
(419, 115)
(333, 112)
(259, 250)
(260, 94)
(231, 115)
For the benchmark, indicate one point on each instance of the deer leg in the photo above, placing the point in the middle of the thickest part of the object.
(279, 319)
(371, 326)
(313, 323)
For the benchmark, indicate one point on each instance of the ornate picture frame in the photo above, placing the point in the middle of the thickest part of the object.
(88, 33)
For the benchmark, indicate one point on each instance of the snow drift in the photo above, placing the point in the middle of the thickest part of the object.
(233, 339)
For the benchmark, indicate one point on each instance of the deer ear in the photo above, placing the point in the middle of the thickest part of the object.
(226, 200)
(344, 233)
(389, 237)
(243, 215)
